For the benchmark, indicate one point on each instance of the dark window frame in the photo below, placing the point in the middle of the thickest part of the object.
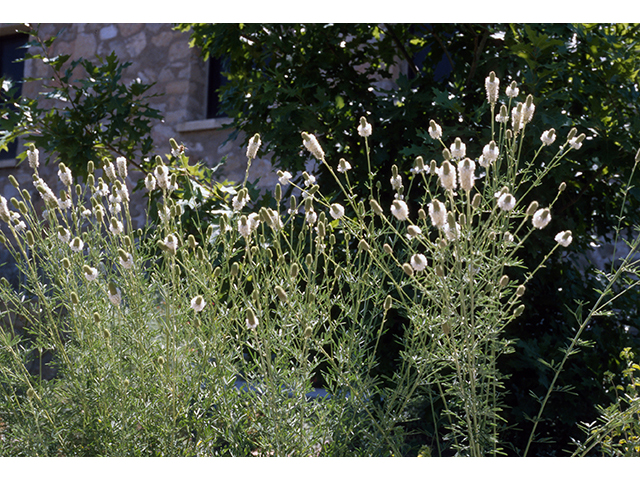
(215, 79)
(10, 51)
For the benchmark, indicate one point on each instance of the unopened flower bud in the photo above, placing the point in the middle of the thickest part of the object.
(533, 207)
(440, 271)
(293, 271)
(375, 206)
(518, 311)
(520, 291)
(363, 245)
(387, 248)
(407, 269)
(504, 280)
(562, 187)
(282, 295)
(388, 303)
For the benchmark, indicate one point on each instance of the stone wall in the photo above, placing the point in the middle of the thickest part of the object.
(160, 56)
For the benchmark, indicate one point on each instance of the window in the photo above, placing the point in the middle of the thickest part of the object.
(216, 79)
(10, 51)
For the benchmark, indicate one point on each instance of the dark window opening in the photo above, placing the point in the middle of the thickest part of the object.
(216, 79)
(12, 70)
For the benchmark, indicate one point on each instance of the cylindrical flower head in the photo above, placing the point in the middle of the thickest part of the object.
(65, 175)
(343, 166)
(34, 157)
(282, 295)
(418, 262)
(76, 244)
(506, 202)
(90, 273)
(198, 303)
(253, 146)
(336, 211)
(435, 130)
(413, 231)
(252, 320)
(466, 170)
(121, 165)
(408, 269)
(512, 90)
(576, 142)
(311, 143)
(458, 149)
(364, 129)
(491, 85)
(517, 117)
(564, 238)
(438, 213)
(541, 218)
(548, 137)
(489, 155)
(528, 109)
(400, 210)
(5, 213)
(114, 294)
(447, 175)
(503, 115)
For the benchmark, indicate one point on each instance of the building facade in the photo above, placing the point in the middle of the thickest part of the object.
(183, 82)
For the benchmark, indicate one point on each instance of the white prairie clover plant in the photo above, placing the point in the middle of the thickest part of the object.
(295, 318)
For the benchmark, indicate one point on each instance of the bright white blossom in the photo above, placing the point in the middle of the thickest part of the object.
(400, 210)
(364, 129)
(343, 166)
(503, 115)
(447, 175)
(311, 143)
(512, 90)
(435, 130)
(466, 169)
(396, 182)
(65, 175)
(150, 182)
(76, 244)
(336, 211)
(171, 243)
(418, 262)
(90, 273)
(253, 146)
(438, 213)
(564, 238)
(33, 154)
(115, 226)
(517, 117)
(489, 155)
(109, 170)
(541, 218)
(452, 232)
(310, 216)
(576, 142)
(491, 85)
(5, 214)
(121, 165)
(506, 202)
(64, 235)
(114, 294)
(198, 303)
(284, 177)
(458, 149)
(528, 109)
(161, 172)
(126, 259)
(308, 179)
(548, 137)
